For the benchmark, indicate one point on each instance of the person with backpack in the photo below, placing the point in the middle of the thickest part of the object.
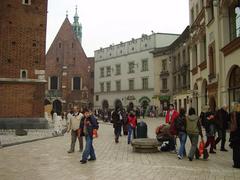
(193, 128)
(132, 123)
(180, 125)
(117, 123)
(87, 127)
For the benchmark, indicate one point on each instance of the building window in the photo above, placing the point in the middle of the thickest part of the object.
(23, 74)
(234, 85)
(144, 83)
(118, 85)
(210, 10)
(179, 60)
(174, 83)
(131, 67)
(53, 83)
(57, 59)
(194, 55)
(164, 83)
(144, 65)
(192, 15)
(59, 45)
(234, 19)
(92, 74)
(184, 80)
(109, 71)
(164, 65)
(184, 56)
(26, 2)
(118, 69)
(101, 72)
(97, 97)
(203, 52)
(102, 87)
(108, 86)
(76, 83)
(174, 64)
(212, 60)
(179, 81)
(131, 84)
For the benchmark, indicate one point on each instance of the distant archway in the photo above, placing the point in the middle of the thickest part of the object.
(118, 104)
(57, 107)
(105, 104)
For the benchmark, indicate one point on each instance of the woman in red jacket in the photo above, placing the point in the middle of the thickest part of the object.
(132, 123)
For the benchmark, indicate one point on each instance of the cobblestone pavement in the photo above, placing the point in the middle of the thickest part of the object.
(48, 159)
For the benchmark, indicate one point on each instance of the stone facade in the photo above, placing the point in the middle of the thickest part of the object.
(124, 73)
(22, 62)
(214, 51)
(172, 73)
(69, 72)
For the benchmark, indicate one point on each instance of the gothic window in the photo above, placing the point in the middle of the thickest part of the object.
(26, 2)
(212, 60)
(23, 74)
(54, 83)
(76, 83)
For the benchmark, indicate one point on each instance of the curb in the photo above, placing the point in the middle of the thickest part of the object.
(27, 141)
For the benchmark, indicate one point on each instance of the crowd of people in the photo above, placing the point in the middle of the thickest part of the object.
(215, 122)
(182, 125)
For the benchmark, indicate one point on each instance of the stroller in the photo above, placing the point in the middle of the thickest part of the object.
(165, 138)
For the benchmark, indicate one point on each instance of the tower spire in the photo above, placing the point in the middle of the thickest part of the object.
(77, 27)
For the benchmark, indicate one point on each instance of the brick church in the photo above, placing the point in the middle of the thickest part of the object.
(22, 63)
(69, 71)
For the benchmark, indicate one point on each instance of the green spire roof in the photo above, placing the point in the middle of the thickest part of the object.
(77, 27)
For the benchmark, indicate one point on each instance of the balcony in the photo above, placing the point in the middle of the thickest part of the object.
(54, 93)
(164, 90)
(164, 74)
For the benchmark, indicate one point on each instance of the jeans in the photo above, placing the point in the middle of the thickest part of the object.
(74, 137)
(89, 150)
(221, 137)
(194, 144)
(117, 131)
(183, 139)
(130, 131)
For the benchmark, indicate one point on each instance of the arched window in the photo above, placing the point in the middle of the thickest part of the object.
(234, 85)
(23, 74)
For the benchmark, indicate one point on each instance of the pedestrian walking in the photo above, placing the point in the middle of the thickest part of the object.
(132, 123)
(88, 126)
(235, 135)
(73, 126)
(193, 128)
(180, 125)
(171, 116)
(222, 121)
(211, 130)
(117, 123)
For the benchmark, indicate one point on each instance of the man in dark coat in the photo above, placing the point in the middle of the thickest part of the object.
(117, 123)
(222, 120)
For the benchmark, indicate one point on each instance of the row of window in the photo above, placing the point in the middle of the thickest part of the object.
(131, 68)
(131, 85)
(54, 83)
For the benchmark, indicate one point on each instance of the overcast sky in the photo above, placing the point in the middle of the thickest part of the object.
(108, 22)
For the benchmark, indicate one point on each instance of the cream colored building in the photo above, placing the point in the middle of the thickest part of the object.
(214, 52)
(124, 73)
(172, 73)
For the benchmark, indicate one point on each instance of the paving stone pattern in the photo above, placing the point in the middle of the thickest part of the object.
(48, 160)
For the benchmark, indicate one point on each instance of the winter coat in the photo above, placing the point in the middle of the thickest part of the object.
(132, 120)
(193, 125)
(173, 117)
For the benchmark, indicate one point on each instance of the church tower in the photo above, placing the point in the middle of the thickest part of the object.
(77, 27)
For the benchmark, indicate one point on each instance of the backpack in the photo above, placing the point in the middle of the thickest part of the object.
(179, 124)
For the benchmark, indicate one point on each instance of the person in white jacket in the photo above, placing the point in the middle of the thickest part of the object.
(73, 126)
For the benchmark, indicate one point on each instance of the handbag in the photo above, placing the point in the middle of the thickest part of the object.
(201, 148)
